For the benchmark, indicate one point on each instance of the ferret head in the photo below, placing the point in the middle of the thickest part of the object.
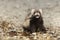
(36, 13)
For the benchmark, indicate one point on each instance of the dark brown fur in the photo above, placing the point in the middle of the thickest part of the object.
(36, 24)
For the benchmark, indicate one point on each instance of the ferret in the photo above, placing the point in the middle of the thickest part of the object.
(34, 22)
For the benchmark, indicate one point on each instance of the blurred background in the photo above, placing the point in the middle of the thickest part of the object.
(13, 12)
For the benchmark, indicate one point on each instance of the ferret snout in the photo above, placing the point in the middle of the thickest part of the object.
(37, 15)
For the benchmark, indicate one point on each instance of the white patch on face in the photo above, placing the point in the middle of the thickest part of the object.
(37, 15)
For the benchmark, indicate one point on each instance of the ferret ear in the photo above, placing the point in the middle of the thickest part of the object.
(32, 11)
(40, 10)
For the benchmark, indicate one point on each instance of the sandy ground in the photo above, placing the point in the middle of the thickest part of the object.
(13, 13)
